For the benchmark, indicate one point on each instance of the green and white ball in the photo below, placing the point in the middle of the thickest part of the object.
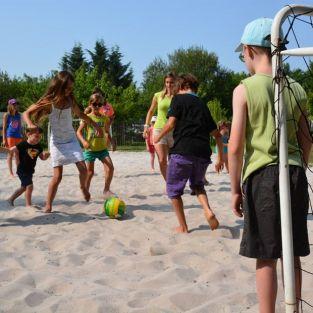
(114, 207)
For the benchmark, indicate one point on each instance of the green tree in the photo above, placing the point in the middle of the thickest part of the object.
(99, 57)
(118, 74)
(74, 60)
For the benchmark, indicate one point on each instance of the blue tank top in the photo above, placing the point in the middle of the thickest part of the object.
(14, 126)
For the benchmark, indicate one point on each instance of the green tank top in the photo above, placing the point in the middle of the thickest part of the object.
(163, 106)
(260, 145)
(97, 143)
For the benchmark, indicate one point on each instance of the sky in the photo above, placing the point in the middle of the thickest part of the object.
(35, 34)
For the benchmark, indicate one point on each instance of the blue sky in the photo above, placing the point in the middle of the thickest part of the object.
(35, 34)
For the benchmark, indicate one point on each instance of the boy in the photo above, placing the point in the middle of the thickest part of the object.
(191, 153)
(26, 154)
(253, 130)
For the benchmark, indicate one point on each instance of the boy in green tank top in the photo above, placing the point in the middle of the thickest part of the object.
(96, 146)
(253, 161)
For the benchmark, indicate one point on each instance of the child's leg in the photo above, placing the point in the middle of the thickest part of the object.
(90, 171)
(9, 161)
(266, 283)
(53, 187)
(225, 156)
(28, 194)
(152, 157)
(209, 214)
(109, 170)
(16, 194)
(179, 210)
(82, 178)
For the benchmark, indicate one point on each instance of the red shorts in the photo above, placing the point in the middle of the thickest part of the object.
(13, 141)
(151, 148)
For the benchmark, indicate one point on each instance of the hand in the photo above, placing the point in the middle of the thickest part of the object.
(86, 144)
(236, 203)
(46, 155)
(156, 139)
(145, 133)
(219, 165)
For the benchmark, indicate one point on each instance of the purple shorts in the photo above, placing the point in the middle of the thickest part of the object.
(180, 169)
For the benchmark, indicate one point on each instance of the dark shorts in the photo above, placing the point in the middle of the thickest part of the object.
(180, 169)
(25, 178)
(262, 230)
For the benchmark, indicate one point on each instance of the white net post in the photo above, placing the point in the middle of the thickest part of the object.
(284, 185)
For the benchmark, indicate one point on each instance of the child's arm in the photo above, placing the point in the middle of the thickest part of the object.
(218, 138)
(236, 147)
(170, 125)
(304, 138)
(87, 119)
(110, 139)
(33, 109)
(4, 129)
(80, 136)
(44, 155)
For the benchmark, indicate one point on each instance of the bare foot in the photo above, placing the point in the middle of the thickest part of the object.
(212, 220)
(107, 194)
(86, 194)
(10, 202)
(34, 206)
(181, 229)
(47, 210)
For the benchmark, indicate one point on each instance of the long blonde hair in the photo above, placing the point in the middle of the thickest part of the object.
(55, 94)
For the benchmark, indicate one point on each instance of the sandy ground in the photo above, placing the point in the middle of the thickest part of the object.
(78, 260)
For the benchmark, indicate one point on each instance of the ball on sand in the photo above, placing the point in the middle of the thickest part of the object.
(114, 207)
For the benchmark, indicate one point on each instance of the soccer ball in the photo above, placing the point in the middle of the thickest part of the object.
(114, 207)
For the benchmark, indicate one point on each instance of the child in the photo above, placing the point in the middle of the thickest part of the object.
(12, 128)
(191, 154)
(96, 146)
(26, 154)
(251, 138)
(224, 131)
(149, 142)
(58, 103)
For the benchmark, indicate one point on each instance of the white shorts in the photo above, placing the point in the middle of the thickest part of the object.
(166, 140)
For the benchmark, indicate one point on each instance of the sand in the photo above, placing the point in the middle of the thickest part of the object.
(78, 260)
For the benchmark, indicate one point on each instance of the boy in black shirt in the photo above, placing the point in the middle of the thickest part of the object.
(191, 153)
(26, 154)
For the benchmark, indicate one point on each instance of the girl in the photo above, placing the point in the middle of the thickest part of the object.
(161, 101)
(12, 128)
(96, 146)
(58, 103)
(150, 144)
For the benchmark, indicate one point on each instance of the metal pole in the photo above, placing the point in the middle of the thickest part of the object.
(284, 182)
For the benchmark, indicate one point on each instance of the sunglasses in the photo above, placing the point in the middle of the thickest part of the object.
(97, 105)
(241, 57)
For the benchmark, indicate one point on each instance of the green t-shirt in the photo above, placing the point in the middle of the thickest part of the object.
(163, 106)
(97, 143)
(260, 145)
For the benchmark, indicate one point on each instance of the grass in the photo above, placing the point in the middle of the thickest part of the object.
(132, 148)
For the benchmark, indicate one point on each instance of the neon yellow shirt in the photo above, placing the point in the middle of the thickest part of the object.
(163, 106)
(97, 143)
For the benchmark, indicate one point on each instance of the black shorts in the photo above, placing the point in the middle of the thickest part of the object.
(261, 237)
(25, 178)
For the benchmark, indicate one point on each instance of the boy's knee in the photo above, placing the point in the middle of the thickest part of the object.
(90, 173)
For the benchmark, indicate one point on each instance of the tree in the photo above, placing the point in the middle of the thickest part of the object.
(99, 57)
(118, 74)
(74, 60)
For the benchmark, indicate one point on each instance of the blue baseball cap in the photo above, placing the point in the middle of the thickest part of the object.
(257, 33)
